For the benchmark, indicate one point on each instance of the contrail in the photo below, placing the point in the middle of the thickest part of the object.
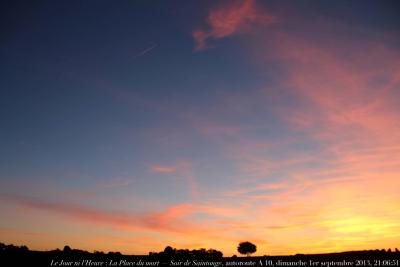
(145, 51)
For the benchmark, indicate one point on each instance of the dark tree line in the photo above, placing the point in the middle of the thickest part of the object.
(170, 252)
(11, 254)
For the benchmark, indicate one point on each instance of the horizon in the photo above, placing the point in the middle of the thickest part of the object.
(238, 254)
(134, 125)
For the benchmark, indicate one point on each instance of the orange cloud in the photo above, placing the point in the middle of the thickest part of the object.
(183, 225)
(164, 221)
(347, 106)
(342, 188)
(229, 20)
(174, 219)
(162, 168)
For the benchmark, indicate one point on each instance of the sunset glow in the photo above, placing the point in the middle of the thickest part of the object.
(201, 124)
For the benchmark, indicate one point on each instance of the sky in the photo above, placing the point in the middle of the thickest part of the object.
(132, 125)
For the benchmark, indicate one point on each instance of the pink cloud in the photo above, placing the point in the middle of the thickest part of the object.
(351, 100)
(157, 168)
(173, 220)
(230, 20)
(158, 221)
(348, 106)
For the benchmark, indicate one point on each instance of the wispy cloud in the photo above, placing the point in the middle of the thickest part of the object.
(229, 20)
(174, 219)
(157, 168)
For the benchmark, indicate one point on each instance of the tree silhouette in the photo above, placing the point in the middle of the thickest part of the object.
(169, 250)
(246, 248)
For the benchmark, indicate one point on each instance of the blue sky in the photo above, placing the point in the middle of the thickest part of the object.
(133, 117)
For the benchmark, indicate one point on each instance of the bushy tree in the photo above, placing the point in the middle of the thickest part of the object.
(246, 248)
